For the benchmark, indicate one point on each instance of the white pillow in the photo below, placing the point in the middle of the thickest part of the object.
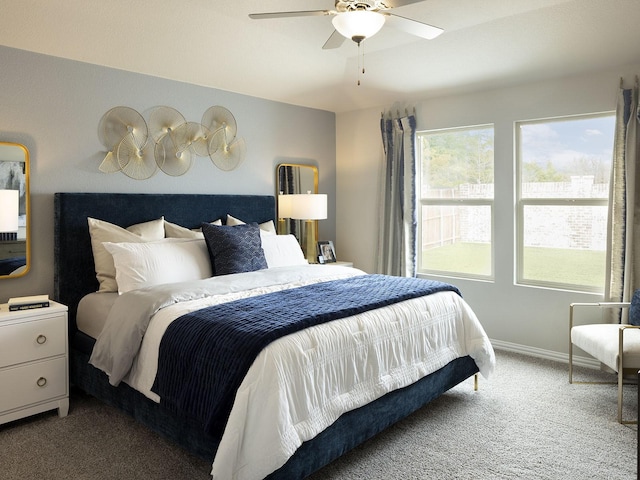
(148, 231)
(101, 231)
(266, 227)
(172, 230)
(282, 251)
(140, 265)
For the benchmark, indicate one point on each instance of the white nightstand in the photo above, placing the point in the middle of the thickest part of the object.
(342, 264)
(34, 367)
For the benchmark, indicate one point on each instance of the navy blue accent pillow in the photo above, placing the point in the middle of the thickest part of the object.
(634, 309)
(234, 249)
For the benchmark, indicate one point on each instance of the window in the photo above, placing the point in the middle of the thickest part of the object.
(455, 216)
(563, 196)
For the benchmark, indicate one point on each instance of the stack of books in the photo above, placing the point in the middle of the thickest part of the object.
(27, 303)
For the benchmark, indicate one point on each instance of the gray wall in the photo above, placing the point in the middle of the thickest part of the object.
(53, 107)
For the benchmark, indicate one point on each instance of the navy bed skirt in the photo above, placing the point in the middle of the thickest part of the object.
(349, 431)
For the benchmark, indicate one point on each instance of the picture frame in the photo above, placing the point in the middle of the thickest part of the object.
(326, 252)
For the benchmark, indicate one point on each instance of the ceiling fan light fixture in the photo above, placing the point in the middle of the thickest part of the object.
(358, 24)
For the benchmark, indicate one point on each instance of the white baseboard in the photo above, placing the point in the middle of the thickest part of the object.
(546, 354)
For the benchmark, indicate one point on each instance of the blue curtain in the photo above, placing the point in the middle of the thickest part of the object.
(623, 272)
(397, 241)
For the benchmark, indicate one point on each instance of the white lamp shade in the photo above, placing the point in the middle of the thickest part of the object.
(358, 23)
(308, 206)
(284, 206)
(9, 203)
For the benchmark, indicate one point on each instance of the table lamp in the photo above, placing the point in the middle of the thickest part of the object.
(309, 207)
(9, 203)
(284, 213)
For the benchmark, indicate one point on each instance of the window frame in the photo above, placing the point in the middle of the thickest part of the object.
(455, 202)
(522, 203)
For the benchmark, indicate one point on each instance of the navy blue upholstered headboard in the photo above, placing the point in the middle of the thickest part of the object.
(74, 272)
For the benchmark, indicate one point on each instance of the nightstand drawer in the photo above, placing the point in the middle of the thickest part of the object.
(33, 383)
(26, 341)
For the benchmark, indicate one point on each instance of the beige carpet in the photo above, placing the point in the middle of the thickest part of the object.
(526, 422)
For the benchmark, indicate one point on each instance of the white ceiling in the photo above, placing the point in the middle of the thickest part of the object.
(486, 44)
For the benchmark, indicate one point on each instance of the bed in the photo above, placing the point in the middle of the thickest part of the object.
(13, 265)
(343, 428)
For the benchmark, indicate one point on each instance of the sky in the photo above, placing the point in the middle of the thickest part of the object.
(563, 141)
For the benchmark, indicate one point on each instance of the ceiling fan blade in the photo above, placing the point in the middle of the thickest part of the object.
(413, 27)
(302, 13)
(334, 41)
(399, 3)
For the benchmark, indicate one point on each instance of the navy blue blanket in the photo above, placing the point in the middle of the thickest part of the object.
(204, 355)
(10, 265)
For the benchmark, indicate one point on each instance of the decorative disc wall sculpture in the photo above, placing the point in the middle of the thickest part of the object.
(166, 141)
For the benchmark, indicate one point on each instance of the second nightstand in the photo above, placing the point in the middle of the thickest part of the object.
(342, 264)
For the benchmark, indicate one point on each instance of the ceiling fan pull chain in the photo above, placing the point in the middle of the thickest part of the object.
(359, 55)
(358, 64)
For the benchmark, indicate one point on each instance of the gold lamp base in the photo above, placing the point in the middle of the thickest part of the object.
(283, 226)
(310, 241)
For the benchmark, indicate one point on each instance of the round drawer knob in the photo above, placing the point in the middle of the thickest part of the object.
(41, 339)
(41, 382)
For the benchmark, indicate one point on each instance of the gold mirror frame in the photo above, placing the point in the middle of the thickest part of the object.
(14, 175)
(295, 178)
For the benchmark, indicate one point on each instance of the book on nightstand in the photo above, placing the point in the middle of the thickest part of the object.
(27, 303)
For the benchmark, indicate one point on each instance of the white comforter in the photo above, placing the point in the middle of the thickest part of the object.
(300, 384)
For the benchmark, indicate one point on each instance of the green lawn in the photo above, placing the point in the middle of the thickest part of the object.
(557, 265)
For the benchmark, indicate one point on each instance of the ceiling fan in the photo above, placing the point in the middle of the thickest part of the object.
(360, 19)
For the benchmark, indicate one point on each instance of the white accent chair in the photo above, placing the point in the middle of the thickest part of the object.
(615, 345)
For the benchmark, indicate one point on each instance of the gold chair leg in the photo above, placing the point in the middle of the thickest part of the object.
(570, 360)
(570, 344)
(620, 389)
(620, 371)
(475, 382)
(621, 375)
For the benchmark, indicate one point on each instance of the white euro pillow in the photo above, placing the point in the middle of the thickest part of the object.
(173, 230)
(140, 265)
(101, 231)
(282, 251)
(265, 227)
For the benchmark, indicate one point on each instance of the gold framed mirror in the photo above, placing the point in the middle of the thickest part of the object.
(294, 178)
(14, 210)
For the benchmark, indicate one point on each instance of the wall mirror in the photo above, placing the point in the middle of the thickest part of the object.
(292, 178)
(14, 210)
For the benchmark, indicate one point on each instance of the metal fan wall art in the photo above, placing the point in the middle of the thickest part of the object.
(116, 125)
(225, 150)
(167, 142)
